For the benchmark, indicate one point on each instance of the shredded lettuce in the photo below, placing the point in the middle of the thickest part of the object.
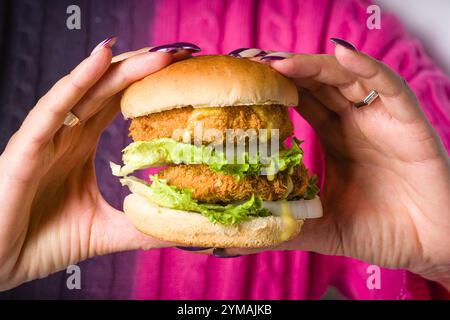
(172, 197)
(312, 190)
(144, 154)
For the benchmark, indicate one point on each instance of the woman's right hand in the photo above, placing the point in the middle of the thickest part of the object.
(386, 195)
(53, 214)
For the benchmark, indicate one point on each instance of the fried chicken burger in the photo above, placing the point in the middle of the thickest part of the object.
(232, 172)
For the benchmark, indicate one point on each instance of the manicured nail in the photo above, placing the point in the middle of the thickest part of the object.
(176, 47)
(343, 43)
(221, 253)
(247, 53)
(193, 248)
(109, 42)
(165, 48)
(187, 46)
(273, 56)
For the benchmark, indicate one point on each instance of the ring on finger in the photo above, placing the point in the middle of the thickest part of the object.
(71, 120)
(367, 100)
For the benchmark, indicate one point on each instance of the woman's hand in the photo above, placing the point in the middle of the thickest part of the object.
(386, 196)
(53, 214)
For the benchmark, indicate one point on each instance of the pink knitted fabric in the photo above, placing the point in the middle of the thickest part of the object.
(294, 26)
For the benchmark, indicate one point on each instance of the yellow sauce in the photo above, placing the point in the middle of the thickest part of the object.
(265, 116)
(289, 223)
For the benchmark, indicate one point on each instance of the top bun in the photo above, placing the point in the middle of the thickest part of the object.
(208, 81)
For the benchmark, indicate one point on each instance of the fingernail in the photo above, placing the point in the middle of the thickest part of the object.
(221, 253)
(176, 47)
(343, 43)
(187, 46)
(273, 56)
(169, 48)
(193, 248)
(109, 42)
(247, 53)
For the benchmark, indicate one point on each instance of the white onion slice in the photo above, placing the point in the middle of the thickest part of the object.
(300, 209)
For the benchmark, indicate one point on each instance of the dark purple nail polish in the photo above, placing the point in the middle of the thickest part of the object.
(193, 248)
(272, 58)
(276, 55)
(187, 46)
(343, 43)
(175, 47)
(247, 53)
(235, 53)
(169, 48)
(107, 42)
(221, 253)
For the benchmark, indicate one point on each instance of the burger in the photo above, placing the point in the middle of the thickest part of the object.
(232, 174)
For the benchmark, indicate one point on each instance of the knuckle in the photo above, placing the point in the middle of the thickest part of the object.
(45, 106)
(397, 90)
(124, 77)
(123, 71)
(76, 85)
(54, 109)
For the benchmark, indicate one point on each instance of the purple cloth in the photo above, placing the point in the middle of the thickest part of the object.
(36, 50)
(294, 26)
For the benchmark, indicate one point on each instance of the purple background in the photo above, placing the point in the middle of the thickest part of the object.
(36, 50)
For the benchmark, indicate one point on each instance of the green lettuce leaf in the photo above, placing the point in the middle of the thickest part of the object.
(144, 154)
(172, 197)
(312, 190)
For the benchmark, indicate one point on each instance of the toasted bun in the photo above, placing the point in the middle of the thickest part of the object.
(193, 229)
(208, 81)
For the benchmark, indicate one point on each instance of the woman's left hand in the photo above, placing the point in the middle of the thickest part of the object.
(53, 214)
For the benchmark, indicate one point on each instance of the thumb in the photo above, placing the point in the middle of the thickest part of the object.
(112, 231)
(316, 235)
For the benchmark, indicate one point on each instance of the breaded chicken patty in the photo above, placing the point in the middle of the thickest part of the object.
(211, 121)
(212, 187)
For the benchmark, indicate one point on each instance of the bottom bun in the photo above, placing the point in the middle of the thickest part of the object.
(193, 229)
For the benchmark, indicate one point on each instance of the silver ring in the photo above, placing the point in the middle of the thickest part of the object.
(367, 100)
(71, 120)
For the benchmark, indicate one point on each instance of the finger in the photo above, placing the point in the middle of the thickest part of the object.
(128, 54)
(181, 54)
(96, 124)
(120, 75)
(49, 113)
(331, 98)
(316, 235)
(108, 42)
(322, 75)
(395, 94)
(311, 71)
